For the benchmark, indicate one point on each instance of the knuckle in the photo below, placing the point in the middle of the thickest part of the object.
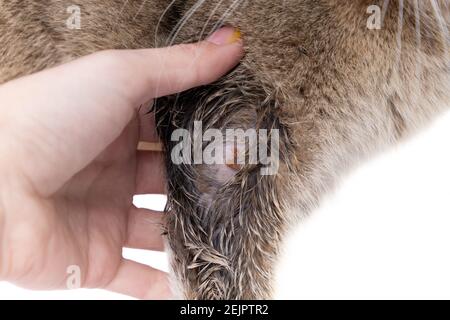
(197, 56)
(190, 50)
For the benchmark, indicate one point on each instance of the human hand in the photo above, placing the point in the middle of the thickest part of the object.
(69, 166)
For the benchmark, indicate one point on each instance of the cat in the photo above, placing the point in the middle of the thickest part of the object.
(330, 82)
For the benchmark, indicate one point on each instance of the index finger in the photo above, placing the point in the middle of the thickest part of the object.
(180, 67)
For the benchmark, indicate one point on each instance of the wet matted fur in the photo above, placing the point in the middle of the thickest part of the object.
(336, 91)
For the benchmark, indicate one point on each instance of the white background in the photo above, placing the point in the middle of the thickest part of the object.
(384, 234)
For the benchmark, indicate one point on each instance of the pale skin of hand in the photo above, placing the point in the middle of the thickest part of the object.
(69, 166)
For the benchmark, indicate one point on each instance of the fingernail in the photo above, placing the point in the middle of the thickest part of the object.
(225, 35)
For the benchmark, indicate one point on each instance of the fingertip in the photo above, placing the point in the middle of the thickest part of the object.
(187, 66)
(225, 35)
(217, 61)
(140, 281)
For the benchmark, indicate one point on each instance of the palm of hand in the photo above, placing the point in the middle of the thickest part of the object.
(85, 225)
